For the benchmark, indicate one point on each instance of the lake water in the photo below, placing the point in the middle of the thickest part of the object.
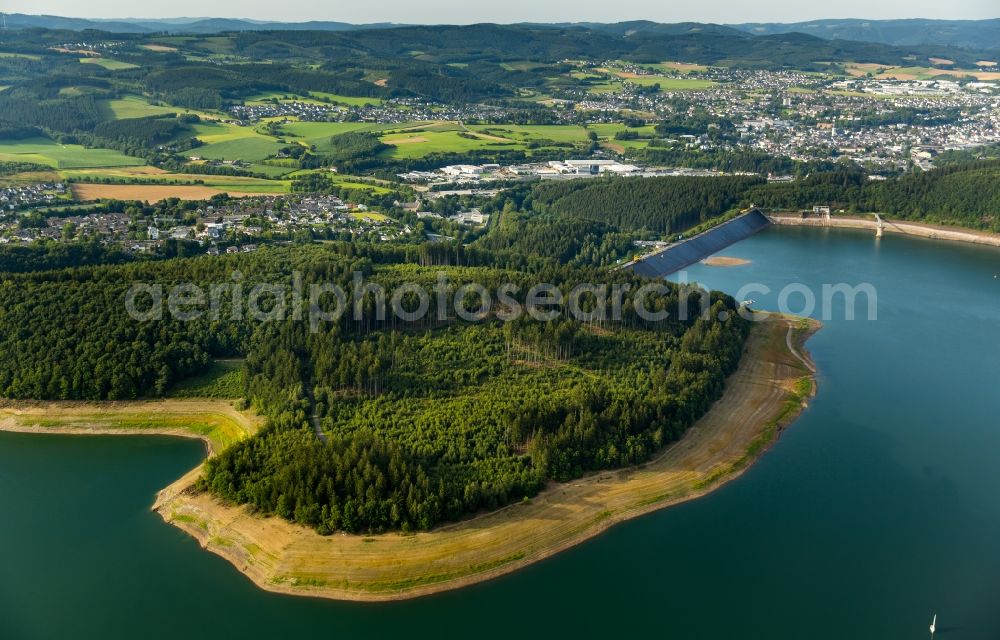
(878, 508)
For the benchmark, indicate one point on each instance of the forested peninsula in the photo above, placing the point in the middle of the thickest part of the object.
(423, 422)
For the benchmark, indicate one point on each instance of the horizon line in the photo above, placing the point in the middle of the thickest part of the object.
(462, 24)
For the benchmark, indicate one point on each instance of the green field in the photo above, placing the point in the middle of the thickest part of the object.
(683, 67)
(281, 96)
(666, 84)
(318, 134)
(674, 84)
(11, 54)
(369, 215)
(136, 107)
(420, 143)
(109, 64)
(609, 130)
(522, 65)
(58, 156)
(345, 182)
(348, 100)
(230, 142)
(144, 176)
(527, 133)
(271, 171)
(606, 134)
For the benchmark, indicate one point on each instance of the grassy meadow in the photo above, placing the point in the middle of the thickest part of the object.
(109, 64)
(63, 156)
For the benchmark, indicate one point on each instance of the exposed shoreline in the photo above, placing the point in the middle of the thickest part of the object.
(768, 391)
(901, 227)
(761, 398)
(218, 423)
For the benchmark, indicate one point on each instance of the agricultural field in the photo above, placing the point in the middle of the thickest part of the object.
(606, 135)
(144, 172)
(369, 215)
(11, 54)
(609, 130)
(524, 65)
(446, 138)
(137, 107)
(666, 83)
(230, 142)
(684, 67)
(348, 182)
(156, 192)
(281, 96)
(59, 156)
(109, 64)
(420, 143)
(351, 101)
(889, 72)
(318, 134)
(155, 176)
(158, 48)
(528, 133)
(272, 171)
(683, 84)
(29, 177)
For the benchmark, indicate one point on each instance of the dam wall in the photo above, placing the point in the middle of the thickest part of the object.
(697, 248)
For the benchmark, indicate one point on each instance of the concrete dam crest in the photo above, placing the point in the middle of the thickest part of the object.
(695, 249)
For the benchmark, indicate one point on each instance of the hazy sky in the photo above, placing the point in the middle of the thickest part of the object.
(505, 11)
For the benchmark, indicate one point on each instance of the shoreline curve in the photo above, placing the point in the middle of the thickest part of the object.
(771, 387)
(768, 391)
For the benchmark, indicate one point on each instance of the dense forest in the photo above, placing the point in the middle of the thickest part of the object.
(566, 239)
(427, 419)
(965, 194)
(663, 205)
(434, 419)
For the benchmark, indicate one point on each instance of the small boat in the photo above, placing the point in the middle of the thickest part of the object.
(933, 625)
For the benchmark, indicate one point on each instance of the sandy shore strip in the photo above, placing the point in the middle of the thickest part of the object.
(901, 227)
(215, 422)
(724, 261)
(770, 388)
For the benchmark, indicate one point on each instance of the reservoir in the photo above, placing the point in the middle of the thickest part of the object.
(877, 508)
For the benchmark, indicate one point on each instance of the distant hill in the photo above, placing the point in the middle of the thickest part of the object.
(22, 21)
(471, 44)
(197, 26)
(643, 28)
(974, 34)
(971, 34)
(889, 41)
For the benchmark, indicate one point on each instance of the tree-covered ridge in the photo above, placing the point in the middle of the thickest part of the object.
(965, 194)
(662, 205)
